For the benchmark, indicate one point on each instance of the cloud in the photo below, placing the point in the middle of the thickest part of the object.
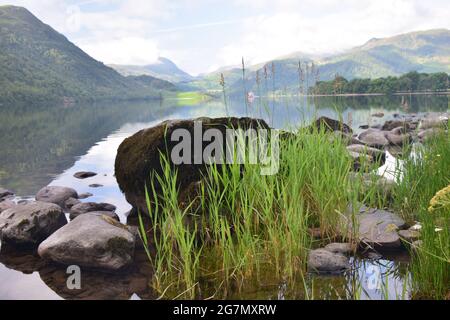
(129, 50)
(204, 34)
(326, 26)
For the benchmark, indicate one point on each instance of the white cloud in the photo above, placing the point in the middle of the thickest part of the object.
(131, 50)
(326, 26)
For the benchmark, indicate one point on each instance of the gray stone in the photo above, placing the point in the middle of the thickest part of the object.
(95, 185)
(409, 235)
(56, 195)
(392, 124)
(440, 121)
(84, 175)
(378, 115)
(373, 152)
(342, 248)
(324, 261)
(71, 202)
(6, 204)
(85, 195)
(398, 139)
(86, 207)
(374, 138)
(105, 213)
(378, 228)
(5, 193)
(91, 241)
(31, 223)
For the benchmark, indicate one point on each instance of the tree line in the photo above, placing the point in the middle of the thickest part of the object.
(410, 82)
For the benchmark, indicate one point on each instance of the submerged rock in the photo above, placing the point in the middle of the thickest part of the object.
(325, 261)
(86, 207)
(91, 241)
(84, 175)
(56, 195)
(95, 185)
(31, 223)
(138, 157)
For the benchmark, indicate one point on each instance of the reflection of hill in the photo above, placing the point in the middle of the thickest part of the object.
(38, 143)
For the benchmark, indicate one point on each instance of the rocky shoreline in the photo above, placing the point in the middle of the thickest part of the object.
(92, 237)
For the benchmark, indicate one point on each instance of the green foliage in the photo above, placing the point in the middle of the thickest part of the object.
(424, 175)
(39, 65)
(410, 82)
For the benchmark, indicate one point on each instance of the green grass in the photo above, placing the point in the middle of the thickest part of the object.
(424, 175)
(248, 224)
(191, 98)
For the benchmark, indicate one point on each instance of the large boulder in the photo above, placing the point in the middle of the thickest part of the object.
(86, 207)
(325, 261)
(30, 224)
(377, 154)
(139, 156)
(56, 195)
(91, 241)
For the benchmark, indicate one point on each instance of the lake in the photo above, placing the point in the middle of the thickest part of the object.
(43, 146)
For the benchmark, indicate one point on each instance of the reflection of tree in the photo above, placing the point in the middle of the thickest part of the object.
(416, 103)
(38, 143)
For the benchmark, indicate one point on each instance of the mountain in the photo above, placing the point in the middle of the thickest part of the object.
(162, 69)
(423, 51)
(38, 65)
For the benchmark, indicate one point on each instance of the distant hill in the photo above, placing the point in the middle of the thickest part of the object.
(423, 51)
(162, 69)
(38, 65)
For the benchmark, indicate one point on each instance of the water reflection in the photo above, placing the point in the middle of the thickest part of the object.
(42, 146)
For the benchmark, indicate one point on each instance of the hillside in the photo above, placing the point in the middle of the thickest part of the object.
(424, 52)
(38, 64)
(163, 69)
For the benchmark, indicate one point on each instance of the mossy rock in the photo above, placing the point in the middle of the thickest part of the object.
(139, 156)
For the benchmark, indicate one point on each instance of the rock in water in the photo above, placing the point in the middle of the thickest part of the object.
(324, 261)
(331, 125)
(32, 223)
(91, 241)
(379, 228)
(56, 195)
(342, 248)
(84, 175)
(374, 138)
(86, 207)
(138, 157)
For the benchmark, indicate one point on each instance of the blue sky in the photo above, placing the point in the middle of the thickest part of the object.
(203, 35)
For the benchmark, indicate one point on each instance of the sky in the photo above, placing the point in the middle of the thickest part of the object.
(204, 35)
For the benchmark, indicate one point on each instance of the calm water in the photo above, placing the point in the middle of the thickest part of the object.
(46, 146)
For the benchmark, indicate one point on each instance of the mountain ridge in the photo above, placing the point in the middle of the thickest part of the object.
(39, 64)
